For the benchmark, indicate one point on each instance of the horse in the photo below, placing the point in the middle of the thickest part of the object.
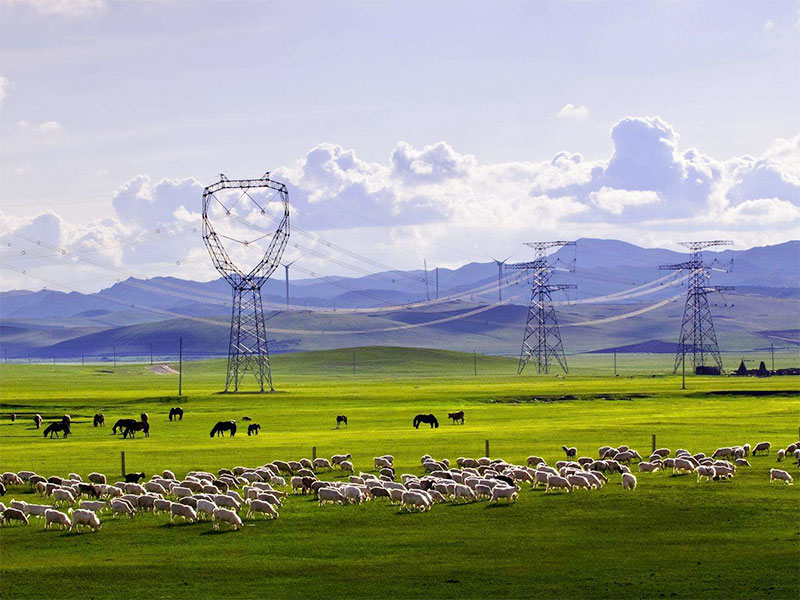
(341, 419)
(223, 426)
(176, 413)
(144, 418)
(122, 424)
(99, 420)
(253, 428)
(37, 420)
(130, 430)
(66, 420)
(456, 416)
(246, 418)
(13, 417)
(425, 419)
(54, 428)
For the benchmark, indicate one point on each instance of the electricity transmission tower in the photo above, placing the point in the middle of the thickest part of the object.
(698, 338)
(542, 339)
(247, 349)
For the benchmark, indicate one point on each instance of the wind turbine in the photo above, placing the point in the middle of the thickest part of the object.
(500, 264)
(286, 266)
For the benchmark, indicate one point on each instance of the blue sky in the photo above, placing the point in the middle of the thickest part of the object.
(442, 122)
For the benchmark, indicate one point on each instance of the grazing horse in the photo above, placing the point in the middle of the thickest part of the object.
(122, 424)
(223, 426)
(253, 428)
(54, 428)
(144, 418)
(456, 416)
(341, 419)
(37, 420)
(66, 420)
(13, 417)
(176, 412)
(99, 420)
(130, 430)
(425, 419)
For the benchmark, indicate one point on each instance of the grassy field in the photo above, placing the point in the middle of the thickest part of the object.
(671, 537)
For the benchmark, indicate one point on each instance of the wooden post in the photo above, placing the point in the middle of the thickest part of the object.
(180, 367)
(122, 459)
(475, 362)
(615, 363)
(354, 362)
(654, 442)
(313, 453)
(487, 448)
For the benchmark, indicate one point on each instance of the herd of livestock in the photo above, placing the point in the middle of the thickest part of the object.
(231, 495)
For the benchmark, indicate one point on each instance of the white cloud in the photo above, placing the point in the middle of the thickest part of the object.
(615, 201)
(768, 25)
(445, 205)
(64, 8)
(5, 87)
(48, 127)
(570, 111)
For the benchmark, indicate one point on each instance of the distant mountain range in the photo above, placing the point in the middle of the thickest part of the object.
(129, 316)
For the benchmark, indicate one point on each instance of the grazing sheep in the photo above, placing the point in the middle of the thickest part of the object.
(156, 488)
(94, 505)
(97, 478)
(263, 507)
(223, 515)
(181, 491)
(781, 454)
(86, 518)
(322, 463)
(722, 452)
(58, 518)
(346, 465)
(557, 482)
(576, 481)
(571, 452)
(338, 459)
(13, 514)
(415, 500)
(167, 474)
(762, 447)
(662, 452)
(36, 510)
(706, 472)
(779, 475)
(648, 467)
(10, 478)
(205, 507)
(121, 507)
(628, 481)
(683, 465)
(353, 494)
(134, 488)
(161, 505)
(182, 510)
(329, 494)
(742, 462)
(227, 501)
(61, 496)
(503, 491)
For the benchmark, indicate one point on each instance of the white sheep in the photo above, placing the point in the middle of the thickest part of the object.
(761, 447)
(87, 518)
(504, 491)
(223, 515)
(576, 481)
(706, 472)
(94, 505)
(36, 510)
(779, 475)
(462, 492)
(156, 488)
(180, 491)
(205, 507)
(353, 494)
(683, 465)
(338, 459)
(160, 505)
(557, 482)
(121, 507)
(322, 463)
(263, 507)
(416, 500)
(628, 481)
(346, 465)
(63, 496)
(97, 478)
(182, 510)
(648, 467)
(329, 494)
(52, 516)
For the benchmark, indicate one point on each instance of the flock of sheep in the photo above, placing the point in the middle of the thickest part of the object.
(248, 493)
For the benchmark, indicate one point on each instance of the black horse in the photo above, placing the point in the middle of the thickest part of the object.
(123, 424)
(253, 428)
(456, 416)
(176, 412)
(430, 419)
(54, 428)
(341, 419)
(130, 430)
(223, 426)
(99, 420)
(37, 420)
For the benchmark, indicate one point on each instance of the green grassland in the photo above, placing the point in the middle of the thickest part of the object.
(671, 537)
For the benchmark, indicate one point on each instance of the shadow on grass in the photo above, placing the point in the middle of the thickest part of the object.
(218, 531)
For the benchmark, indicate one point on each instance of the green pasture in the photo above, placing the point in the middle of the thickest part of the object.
(671, 537)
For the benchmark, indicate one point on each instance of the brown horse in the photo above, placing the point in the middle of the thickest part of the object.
(99, 420)
(456, 416)
(132, 428)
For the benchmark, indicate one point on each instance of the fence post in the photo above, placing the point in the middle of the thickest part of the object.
(313, 453)
(487, 448)
(654, 442)
(122, 459)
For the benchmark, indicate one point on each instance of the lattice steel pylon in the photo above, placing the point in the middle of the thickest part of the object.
(542, 338)
(247, 349)
(698, 338)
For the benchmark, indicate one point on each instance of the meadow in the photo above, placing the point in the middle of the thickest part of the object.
(671, 537)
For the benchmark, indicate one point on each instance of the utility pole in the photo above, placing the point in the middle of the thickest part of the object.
(772, 351)
(354, 362)
(697, 329)
(82, 361)
(151, 354)
(683, 371)
(542, 338)
(180, 367)
(615, 363)
(475, 362)
(437, 283)
(114, 350)
(425, 266)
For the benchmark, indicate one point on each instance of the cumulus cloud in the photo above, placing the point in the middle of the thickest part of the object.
(5, 87)
(570, 111)
(435, 201)
(64, 8)
(48, 127)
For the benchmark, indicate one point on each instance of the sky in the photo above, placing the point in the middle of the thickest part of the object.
(405, 131)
